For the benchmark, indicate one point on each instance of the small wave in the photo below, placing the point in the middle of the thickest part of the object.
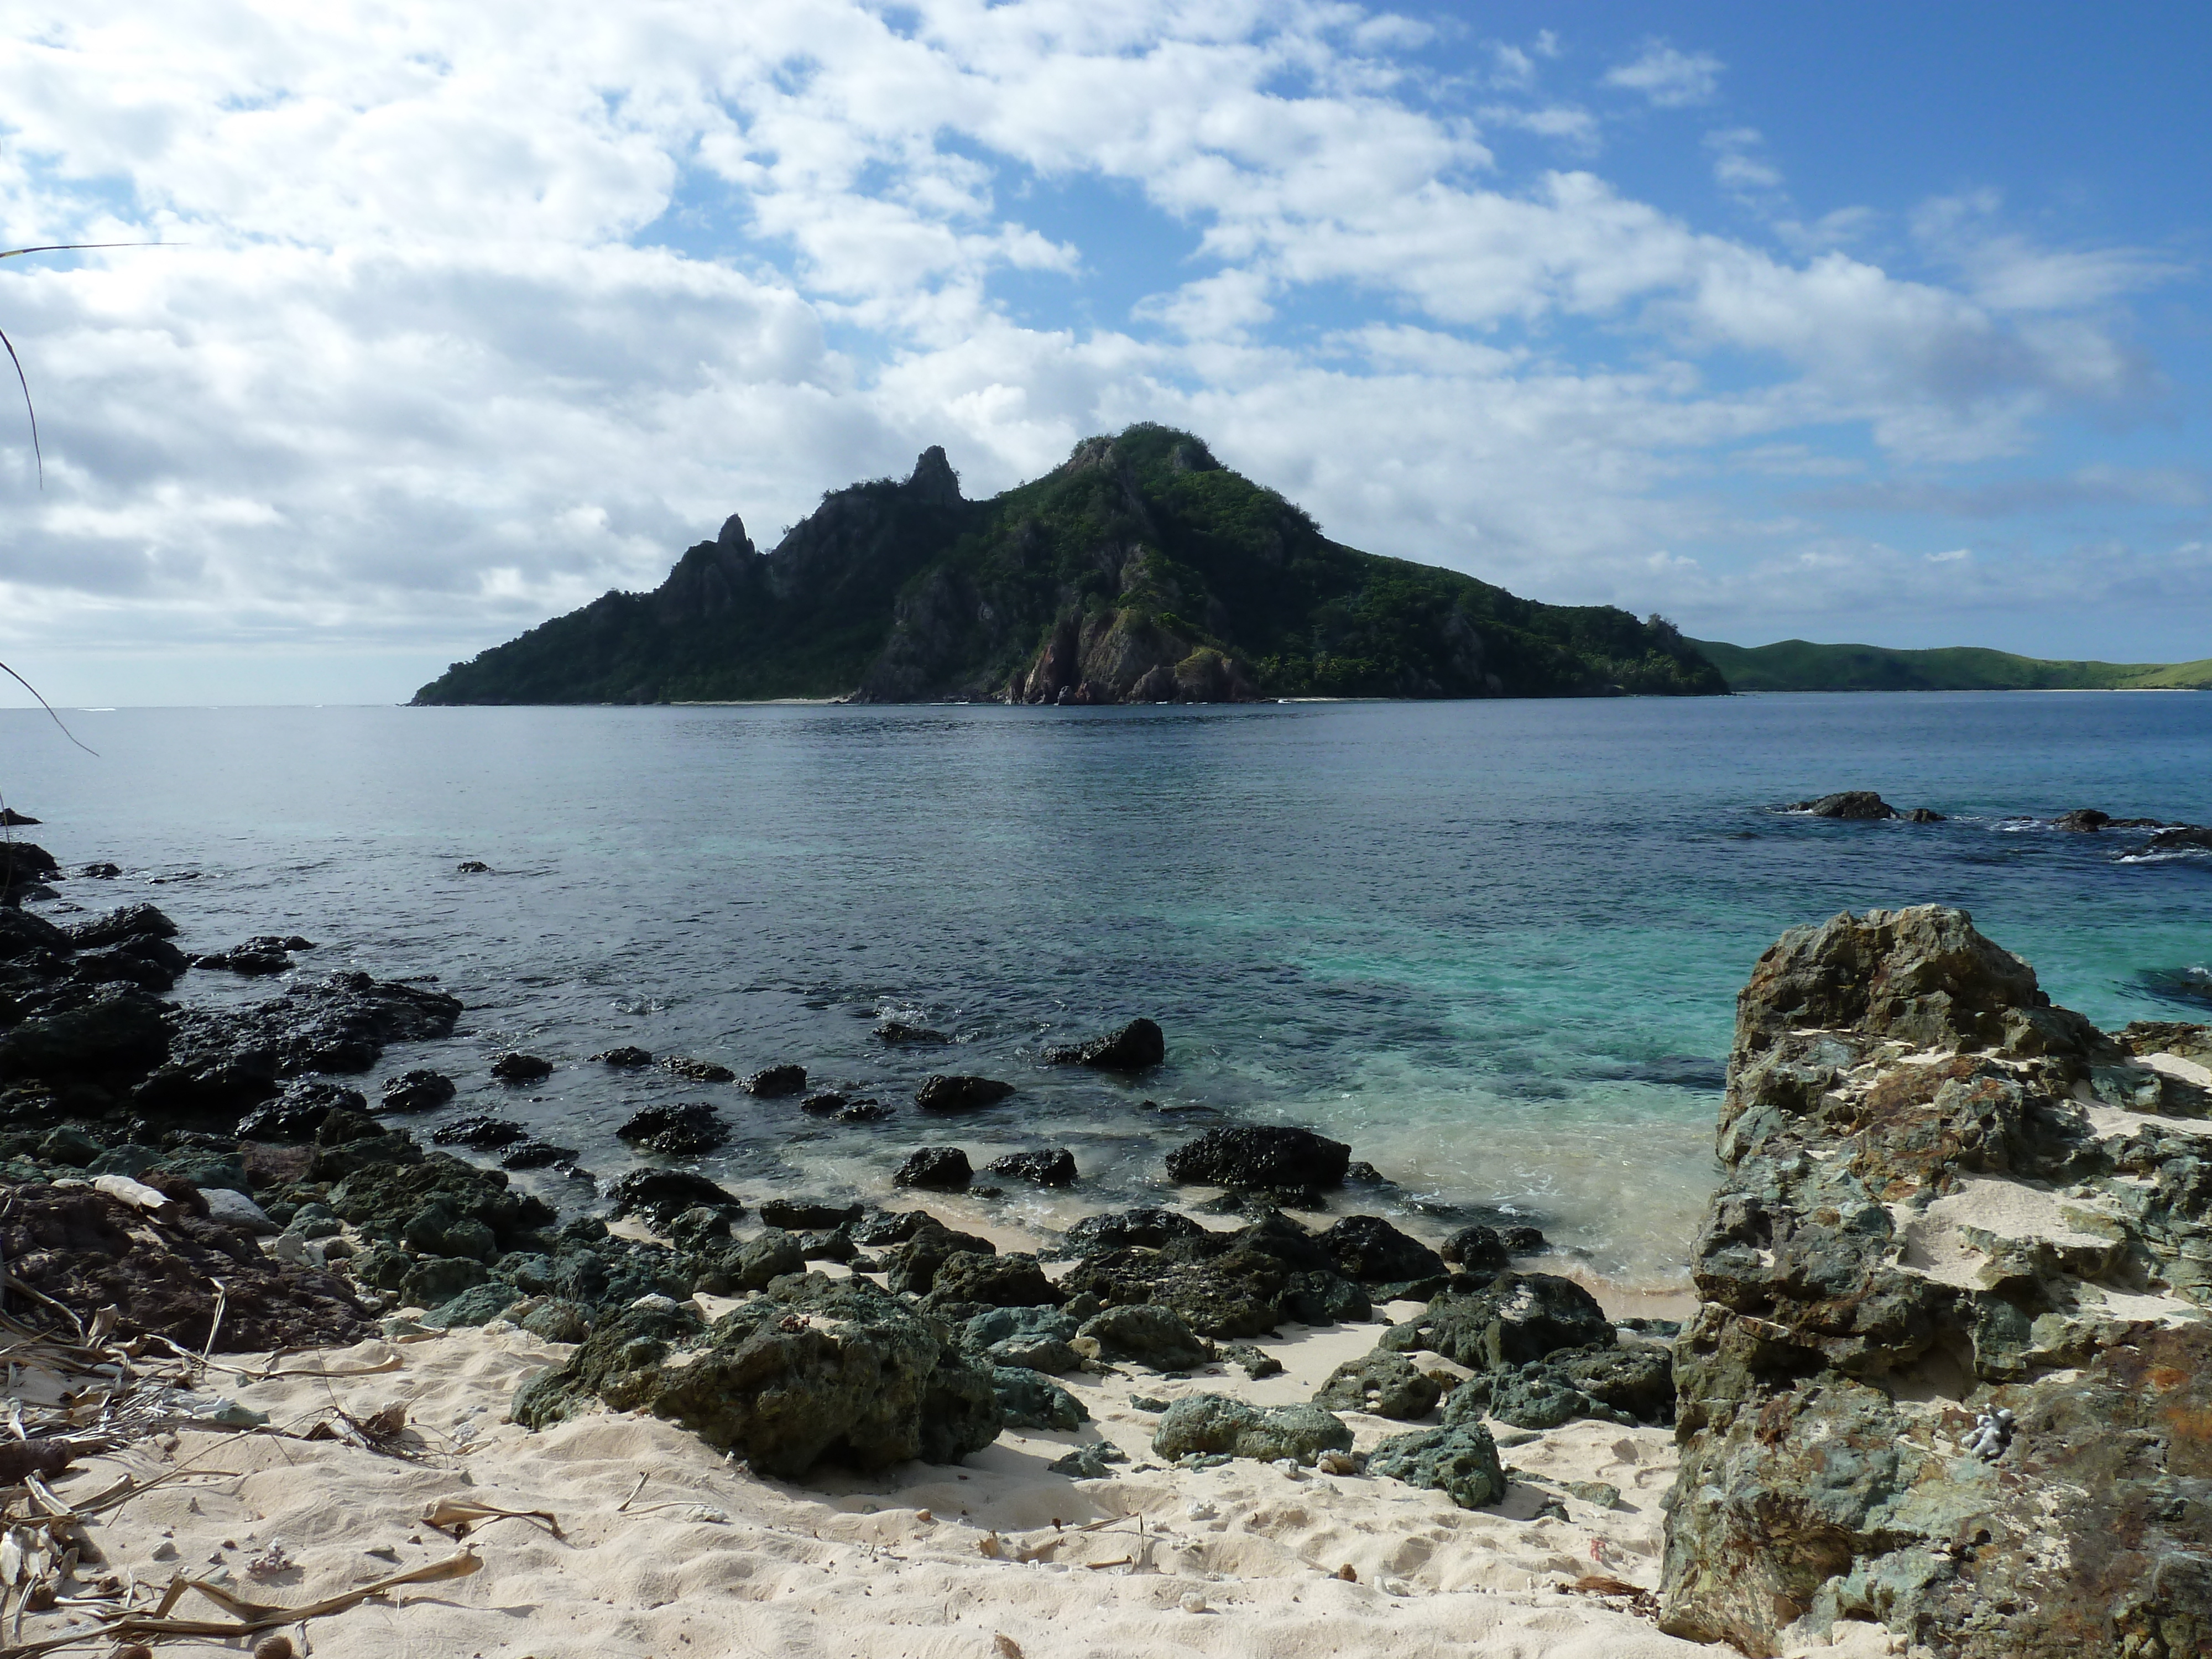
(2188, 985)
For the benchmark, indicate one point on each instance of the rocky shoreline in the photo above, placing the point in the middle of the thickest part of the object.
(1946, 1387)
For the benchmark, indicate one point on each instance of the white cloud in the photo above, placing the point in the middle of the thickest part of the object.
(482, 311)
(1671, 79)
(1738, 166)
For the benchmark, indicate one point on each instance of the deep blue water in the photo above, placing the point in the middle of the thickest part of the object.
(1494, 945)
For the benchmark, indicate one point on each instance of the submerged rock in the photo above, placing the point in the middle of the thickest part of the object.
(940, 1093)
(417, 1091)
(684, 1130)
(1944, 1197)
(1135, 1047)
(897, 1032)
(706, 1070)
(1861, 803)
(817, 1370)
(627, 1058)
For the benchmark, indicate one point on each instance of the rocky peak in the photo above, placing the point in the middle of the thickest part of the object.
(934, 482)
(732, 535)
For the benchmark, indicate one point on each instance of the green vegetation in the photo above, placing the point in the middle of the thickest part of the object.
(1800, 666)
(1141, 562)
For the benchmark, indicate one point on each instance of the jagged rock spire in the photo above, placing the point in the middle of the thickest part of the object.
(934, 481)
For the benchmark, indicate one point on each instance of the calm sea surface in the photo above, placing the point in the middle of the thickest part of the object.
(1493, 945)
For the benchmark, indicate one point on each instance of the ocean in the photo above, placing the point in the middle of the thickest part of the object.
(1495, 946)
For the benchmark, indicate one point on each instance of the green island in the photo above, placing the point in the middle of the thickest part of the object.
(1800, 665)
(1140, 571)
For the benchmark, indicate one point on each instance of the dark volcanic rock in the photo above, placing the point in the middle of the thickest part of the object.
(24, 865)
(1046, 1168)
(1260, 1156)
(807, 1216)
(775, 1081)
(1368, 1248)
(1861, 803)
(940, 1093)
(417, 1092)
(1936, 1185)
(1228, 1285)
(114, 926)
(1013, 1280)
(1922, 814)
(521, 1068)
(626, 1058)
(267, 953)
(706, 1070)
(817, 1370)
(1118, 1229)
(1133, 1048)
(301, 1111)
(897, 1031)
(1476, 1248)
(480, 1131)
(88, 1251)
(661, 1194)
(531, 1153)
(913, 1266)
(112, 1038)
(223, 1060)
(23, 933)
(682, 1130)
(939, 1169)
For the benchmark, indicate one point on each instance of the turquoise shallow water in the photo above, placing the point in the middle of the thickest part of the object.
(1494, 945)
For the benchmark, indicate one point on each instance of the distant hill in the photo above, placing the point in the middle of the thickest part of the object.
(1140, 571)
(1800, 665)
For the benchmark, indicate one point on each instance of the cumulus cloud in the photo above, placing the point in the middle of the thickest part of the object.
(475, 313)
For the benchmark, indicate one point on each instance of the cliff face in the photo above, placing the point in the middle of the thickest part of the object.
(1952, 1372)
(1138, 571)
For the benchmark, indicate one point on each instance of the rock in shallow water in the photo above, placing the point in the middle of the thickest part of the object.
(1135, 1047)
(684, 1130)
(1047, 1169)
(1260, 1156)
(941, 1093)
(939, 1169)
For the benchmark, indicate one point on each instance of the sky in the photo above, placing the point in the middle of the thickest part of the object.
(1880, 322)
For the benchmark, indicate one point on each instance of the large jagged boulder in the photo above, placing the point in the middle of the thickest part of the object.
(1952, 1370)
(1262, 1157)
(817, 1370)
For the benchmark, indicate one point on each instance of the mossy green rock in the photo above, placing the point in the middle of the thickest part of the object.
(817, 1369)
(1460, 1462)
(1213, 1423)
(1030, 1401)
(1385, 1384)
